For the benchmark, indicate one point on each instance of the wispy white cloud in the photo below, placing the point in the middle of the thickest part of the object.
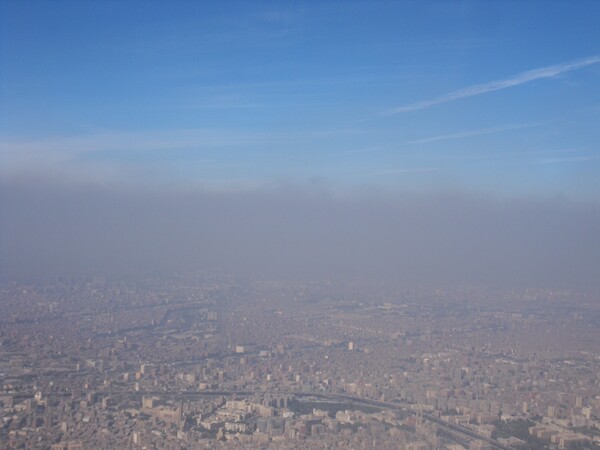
(483, 88)
(521, 154)
(69, 148)
(156, 140)
(116, 153)
(363, 150)
(473, 133)
(402, 171)
(574, 159)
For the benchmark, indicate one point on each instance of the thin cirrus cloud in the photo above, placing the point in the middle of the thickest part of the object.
(497, 85)
(474, 133)
(70, 148)
(402, 171)
(574, 159)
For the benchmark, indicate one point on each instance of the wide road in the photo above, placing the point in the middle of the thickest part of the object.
(403, 407)
(407, 408)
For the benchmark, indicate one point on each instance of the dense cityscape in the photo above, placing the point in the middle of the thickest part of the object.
(210, 361)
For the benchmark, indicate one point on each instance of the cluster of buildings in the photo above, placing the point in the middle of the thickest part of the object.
(209, 362)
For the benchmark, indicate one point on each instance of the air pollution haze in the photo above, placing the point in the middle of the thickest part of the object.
(303, 232)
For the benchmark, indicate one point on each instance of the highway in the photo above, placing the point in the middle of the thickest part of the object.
(403, 407)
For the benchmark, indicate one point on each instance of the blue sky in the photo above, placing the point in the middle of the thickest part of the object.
(500, 97)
